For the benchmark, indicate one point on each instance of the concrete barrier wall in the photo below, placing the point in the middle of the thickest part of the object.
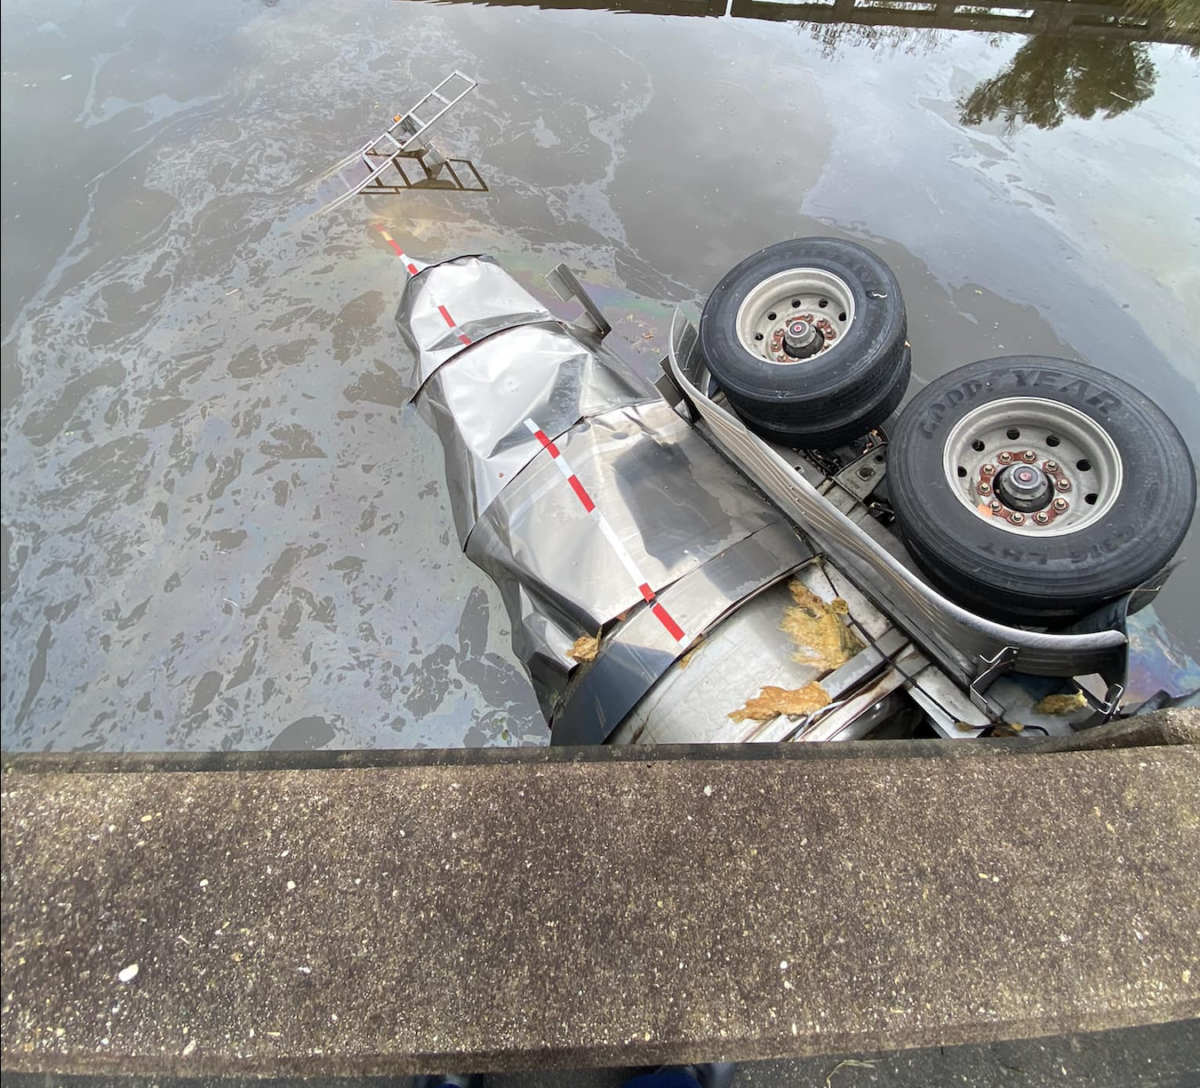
(592, 909)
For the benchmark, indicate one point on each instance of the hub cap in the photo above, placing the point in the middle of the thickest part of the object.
(1024, 487)
(768, 318)
(801, 338)
(1033, 466)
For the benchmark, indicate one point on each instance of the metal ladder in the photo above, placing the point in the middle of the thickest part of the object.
(365, 167)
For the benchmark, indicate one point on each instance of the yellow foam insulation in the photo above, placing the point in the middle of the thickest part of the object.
(686, 660)
(771, 702)
(821, 636)
(585, 648)
(1060, 704)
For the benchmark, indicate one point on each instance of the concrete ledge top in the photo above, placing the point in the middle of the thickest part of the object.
(511, 916)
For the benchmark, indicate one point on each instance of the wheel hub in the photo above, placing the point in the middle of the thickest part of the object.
(795, 315)
(1033, 466)
(1024, 487)
(801, 338)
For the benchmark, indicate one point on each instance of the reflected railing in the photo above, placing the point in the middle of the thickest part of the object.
(1148, 22)
(1172, 22)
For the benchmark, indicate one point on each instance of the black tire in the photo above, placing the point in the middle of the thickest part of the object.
(847, 425)
(1020, 577)
(835, 396)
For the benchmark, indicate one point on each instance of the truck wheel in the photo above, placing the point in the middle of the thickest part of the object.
(1034, 489)
(807, 340)
(842, 427)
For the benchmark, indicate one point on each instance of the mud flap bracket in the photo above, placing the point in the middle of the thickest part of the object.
(564, 283)
(990, 669)
(1104, 698)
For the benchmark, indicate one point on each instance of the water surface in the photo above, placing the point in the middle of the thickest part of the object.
(223, 528)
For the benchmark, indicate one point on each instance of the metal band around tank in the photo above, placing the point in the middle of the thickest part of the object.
(637, 653)
(572, 482)
(446, 307)
(512, 361)
(478, 403)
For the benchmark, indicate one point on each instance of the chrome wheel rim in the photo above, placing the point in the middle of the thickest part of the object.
(1055, 450)
(822, 299)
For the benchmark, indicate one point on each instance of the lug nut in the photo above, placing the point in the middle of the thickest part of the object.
(1029, 455)
(997, 505)
(1060, 505)
(985, 489)
(1004, 458)
(1064, 485)
(1051, 466)
(988, 470)
(1041, 517)
(1017, 518)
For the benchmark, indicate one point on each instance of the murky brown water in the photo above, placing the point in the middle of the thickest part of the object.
(222, 528)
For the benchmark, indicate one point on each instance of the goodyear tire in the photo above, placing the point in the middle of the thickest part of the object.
(1033, 489)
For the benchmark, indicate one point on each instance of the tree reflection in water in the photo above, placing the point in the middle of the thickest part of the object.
(1051, 77)
(1094, 60)
(1088, 59)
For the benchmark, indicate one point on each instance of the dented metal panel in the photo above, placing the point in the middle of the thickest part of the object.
(850, 720)
(572, 482)
(597, 509)
(449, 306)
(638, 652)
(753, 648)
(670, 499)
(479, 404)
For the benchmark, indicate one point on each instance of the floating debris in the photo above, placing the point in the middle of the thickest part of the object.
(821, 635)
(772, 701)
(1061, 704)
(585, 648)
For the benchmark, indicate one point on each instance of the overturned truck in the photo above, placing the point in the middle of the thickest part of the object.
(759, 546)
